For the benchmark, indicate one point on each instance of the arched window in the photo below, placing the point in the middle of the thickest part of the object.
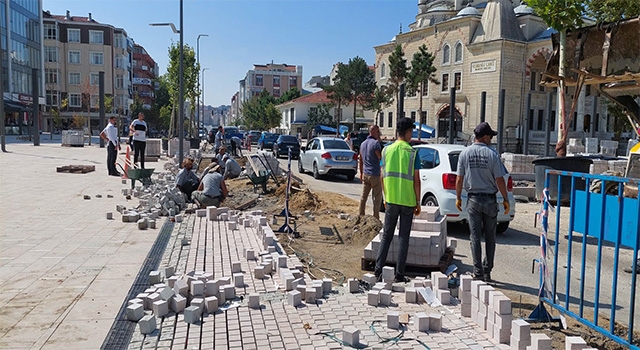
(382, 70)
(458, 53)
(446, 54)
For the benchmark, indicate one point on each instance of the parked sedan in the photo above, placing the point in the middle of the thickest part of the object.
(282, 145)
(254, 136)
(328, 155)
(267, 139)
(439, 164)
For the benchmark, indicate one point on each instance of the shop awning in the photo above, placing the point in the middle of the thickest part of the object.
(323, 129)
(14, 106)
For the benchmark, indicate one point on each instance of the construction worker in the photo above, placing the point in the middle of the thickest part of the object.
(110, 134)
(400, 167)
(212, 189)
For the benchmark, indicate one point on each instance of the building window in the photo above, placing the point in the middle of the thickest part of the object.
(445, 82)
(276, 80)
(75, 100)
(50, 54)
(390, 120)
(383, 69)
(423, 119)
(540, 119)
(381, 119)
(73, 35)
(413, 115)
(50, 31)
(74, 78)
(533, 81)
(258, 79)
(74, 57)
(95, 101)
(96, 58)
(53, 98)
(293, 82)
(457, 80)
(118, 41)
(96, 37)
(458, 53)
(426, 89)
(51, 76)
(276, 92)
(446, 54)
(119, 81)
(95, 79)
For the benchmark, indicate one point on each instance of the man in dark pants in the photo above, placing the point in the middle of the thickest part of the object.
(481, 173)
(400, 171)
(139, 129)
(110, 134)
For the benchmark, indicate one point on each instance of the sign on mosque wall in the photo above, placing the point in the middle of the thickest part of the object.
(483, 66)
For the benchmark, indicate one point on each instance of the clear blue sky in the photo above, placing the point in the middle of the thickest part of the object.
(313, 34)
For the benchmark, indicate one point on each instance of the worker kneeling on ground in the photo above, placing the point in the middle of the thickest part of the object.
(187, 181)
(212, 189)
(231, 168)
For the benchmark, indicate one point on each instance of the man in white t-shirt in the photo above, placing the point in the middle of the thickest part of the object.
(110, 134)
(139, 129)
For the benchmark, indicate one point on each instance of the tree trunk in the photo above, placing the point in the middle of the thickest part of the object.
(561, 145)
(420, 111)
(355, 99)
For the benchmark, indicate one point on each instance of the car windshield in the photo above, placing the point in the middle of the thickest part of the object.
(288, 138)
(453, 160)
(335, 144)
(271, 136)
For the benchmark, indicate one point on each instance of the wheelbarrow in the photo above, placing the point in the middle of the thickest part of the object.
(260, 180)
(143, 175)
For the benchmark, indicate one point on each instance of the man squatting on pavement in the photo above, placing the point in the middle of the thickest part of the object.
(481, 173)
(369, 164)
(400, 167)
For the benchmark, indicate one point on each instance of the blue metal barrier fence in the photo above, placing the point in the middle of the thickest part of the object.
(600, 224)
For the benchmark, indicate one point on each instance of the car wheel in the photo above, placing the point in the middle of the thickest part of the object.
(430, 201)
(316, 174)
(300, 168)
(351, 176)
(502, 227)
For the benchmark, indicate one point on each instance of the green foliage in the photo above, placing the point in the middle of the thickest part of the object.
(339, 93)
(359, 80)
(292, 94)
(398, 70)
(320, 116)
(561, 14)
(380, 100)
(260, 113)
(613, 10)
(190, 69)
(422, 71)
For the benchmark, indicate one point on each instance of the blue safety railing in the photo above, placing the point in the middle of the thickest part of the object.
(597, 219)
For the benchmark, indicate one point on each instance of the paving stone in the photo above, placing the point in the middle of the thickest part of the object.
(393, 320)
(180, 287)
(229, 291)
(178, 303)
(197, 288)
(515, 344)
(388, 273)
(354, 285)
(575, 343)
(310, 295)
(135, 312)
(327, 284)
(160, 308)
(166, 293)
(373, 297)
(521, 329)
(421, 322)
(435, 322)
(444, 296)
(258, 272)
(154, 277)
(192, 314)
(211, 304)
(385, 297)
(151, 298)
(411, 295)
(147, 324)
(540, 341)
(254, 301)
(351, 336)
(236, 267)
(238, 280)
(294, 298)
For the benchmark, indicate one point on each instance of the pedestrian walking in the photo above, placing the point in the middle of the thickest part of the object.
(110, 134)
(348, 140)
(212, 189)
(369, 165)
(481, 173)
(219, 139)
(400, 167)
(139, 129)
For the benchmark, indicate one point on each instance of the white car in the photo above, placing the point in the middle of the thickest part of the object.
(439, 163)
(328, 155)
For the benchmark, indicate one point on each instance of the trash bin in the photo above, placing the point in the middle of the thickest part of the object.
(194, 143)
(578, 164)
(165, 144)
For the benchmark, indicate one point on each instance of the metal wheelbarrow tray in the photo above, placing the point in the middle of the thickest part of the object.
(143, 175)
(261, 179)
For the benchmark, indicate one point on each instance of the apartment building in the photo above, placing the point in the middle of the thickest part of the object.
(145, 72)
(20, 23)
(275, 78)
(484, 47)
(76, 50)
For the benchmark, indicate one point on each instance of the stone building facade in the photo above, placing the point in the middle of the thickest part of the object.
(484, 47)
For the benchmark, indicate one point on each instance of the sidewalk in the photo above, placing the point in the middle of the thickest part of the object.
(64, 268)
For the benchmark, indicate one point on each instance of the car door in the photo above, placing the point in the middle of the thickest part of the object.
(308, 155)
(429, 161)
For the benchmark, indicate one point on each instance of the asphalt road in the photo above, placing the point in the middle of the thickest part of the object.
(518, 247)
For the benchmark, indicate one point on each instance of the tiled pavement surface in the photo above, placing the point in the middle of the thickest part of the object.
(277, 325)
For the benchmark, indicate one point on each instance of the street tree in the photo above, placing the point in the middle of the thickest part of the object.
(339, 93)
(398, 72)
(613, 10)
(359, 79)
(292, 94)
(319, 115)
(260, 112)
(191, 69)
(561, 15)
(421, 74)
(380, 99)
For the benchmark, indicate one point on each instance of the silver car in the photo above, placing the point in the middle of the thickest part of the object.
(328, 155)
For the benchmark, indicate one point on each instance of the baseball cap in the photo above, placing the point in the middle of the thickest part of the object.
(404, 124)
(484, 129)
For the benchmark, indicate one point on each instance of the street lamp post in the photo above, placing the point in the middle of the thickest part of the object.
(203, 69)
(181, 83)
(198, 61)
